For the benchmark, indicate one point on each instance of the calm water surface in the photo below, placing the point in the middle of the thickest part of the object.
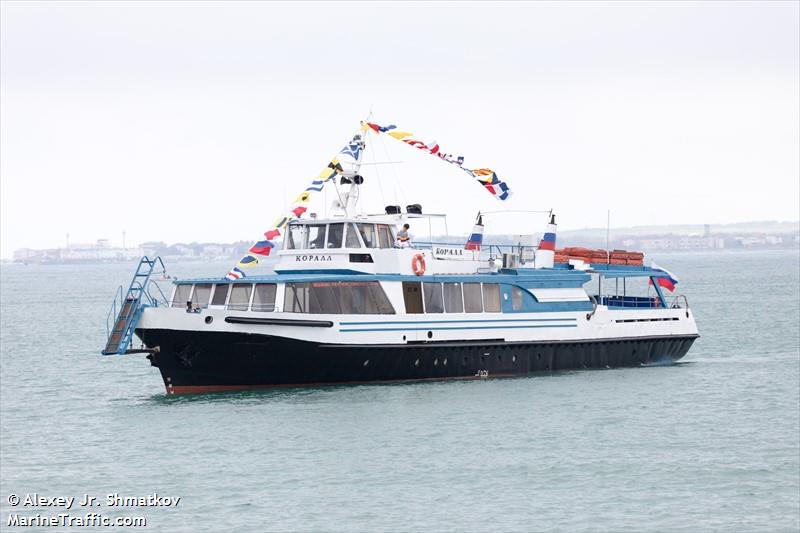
(710, 444)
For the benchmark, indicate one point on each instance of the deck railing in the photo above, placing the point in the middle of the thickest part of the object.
(652, 302)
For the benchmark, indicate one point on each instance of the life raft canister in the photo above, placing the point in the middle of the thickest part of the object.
(418, 264)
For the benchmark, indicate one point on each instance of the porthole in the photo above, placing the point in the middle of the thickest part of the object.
(499, 357)
(539, 356)
(209, 319)
(445, 361)
(513, 358)
(366, 362)
(436, 362)
(430, 334)
(404, 337)
(416, 363)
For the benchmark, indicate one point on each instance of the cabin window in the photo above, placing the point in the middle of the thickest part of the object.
(337, 297)
(316, 236)
(351, 240)
(240, 297)
(295, 298)
(335, 235)
(367, 234)
(516, 298)
(295, 237)
(182, 293)
(324, 298)
(385, 236)
(412, 297)
(364, 297)
(472, 298)
(491, 297)
(201, 294)
(452, 298)
(264, 297)
(432, 293)
(220, 294)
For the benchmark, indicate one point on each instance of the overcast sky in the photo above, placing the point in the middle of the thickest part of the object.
(198, 122)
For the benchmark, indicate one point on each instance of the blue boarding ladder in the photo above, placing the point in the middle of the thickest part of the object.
(127, 309)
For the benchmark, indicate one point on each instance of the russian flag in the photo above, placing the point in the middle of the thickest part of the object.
(548, 241)
(667, 282)
(476, 237)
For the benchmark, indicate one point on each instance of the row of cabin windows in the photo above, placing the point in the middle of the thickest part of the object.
(451, 297)
(348, 297)
(236, 297)
(339, 235)
(343, 297)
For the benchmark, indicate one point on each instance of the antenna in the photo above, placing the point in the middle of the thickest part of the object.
(608, 233)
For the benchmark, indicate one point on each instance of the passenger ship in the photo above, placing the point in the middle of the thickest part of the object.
(350, 303)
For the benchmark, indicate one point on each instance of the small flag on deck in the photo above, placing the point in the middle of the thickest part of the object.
(667, 282)
(234, 274)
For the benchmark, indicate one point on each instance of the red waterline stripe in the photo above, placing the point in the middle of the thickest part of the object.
(201, 389)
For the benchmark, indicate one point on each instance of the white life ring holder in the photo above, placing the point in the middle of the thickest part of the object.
(418, 264)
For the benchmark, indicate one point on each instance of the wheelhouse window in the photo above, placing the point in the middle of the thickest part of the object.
(295, 237)
(337, 297)
(264, 297)
(220, 293)
(385, 236)
(182, 293)
(452, 298)
(240, 297)
(335, 235)
(201, 295)
(472, 298)
(432, 294)
(316, 236)
(367, 234)
(351, 240)
(491, 298)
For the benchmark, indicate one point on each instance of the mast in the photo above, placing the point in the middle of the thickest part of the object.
(350, 177)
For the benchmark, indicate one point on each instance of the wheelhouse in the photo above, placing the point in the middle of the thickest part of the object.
(314, 235)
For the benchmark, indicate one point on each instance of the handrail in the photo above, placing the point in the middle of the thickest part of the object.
(154, 300)
(112, 312)
(138, 296)
(594, 307)
(676, 305)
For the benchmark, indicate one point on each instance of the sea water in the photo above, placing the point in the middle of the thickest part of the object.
(712, 443)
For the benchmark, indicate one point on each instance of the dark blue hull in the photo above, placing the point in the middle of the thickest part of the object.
(193, 362)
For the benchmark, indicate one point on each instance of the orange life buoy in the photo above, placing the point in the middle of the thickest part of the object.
(418, 264)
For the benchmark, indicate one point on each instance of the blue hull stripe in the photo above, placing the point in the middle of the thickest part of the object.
(463, 328)
(414, 322)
